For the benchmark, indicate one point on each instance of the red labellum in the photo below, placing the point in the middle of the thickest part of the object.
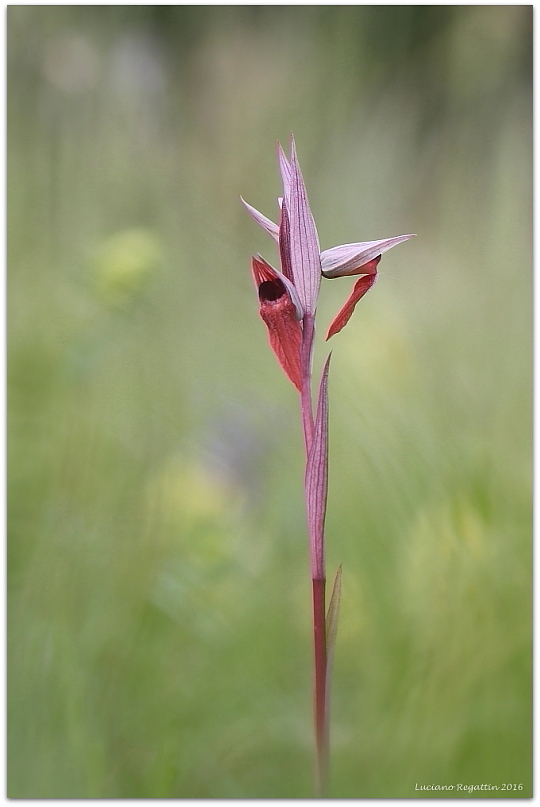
(280, 315)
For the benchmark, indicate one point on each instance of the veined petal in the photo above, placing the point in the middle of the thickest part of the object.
(285, 169)
(280, 313)
(271, 228)
(316, 481)
(361, 286)
(304, 242)
(285, 241)
(348, 259)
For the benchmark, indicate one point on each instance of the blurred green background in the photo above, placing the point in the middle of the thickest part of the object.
(159, 594)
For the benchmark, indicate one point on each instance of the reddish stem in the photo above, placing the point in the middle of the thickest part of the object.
(320, 707)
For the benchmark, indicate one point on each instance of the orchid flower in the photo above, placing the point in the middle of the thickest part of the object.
(288, 302)
(361, 258)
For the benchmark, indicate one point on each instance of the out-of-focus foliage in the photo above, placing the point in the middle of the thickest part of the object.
(159, 627)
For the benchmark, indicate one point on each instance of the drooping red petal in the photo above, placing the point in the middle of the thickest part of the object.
(281, 316)
(361, 286)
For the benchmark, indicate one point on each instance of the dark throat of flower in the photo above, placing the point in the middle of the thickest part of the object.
(271, 290)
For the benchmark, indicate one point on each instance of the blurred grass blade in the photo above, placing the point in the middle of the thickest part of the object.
(332, 617)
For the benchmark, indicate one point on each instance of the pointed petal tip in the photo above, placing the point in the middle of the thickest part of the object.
(304, 241)
(294, 154)
(285, 170)
(271, 228)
